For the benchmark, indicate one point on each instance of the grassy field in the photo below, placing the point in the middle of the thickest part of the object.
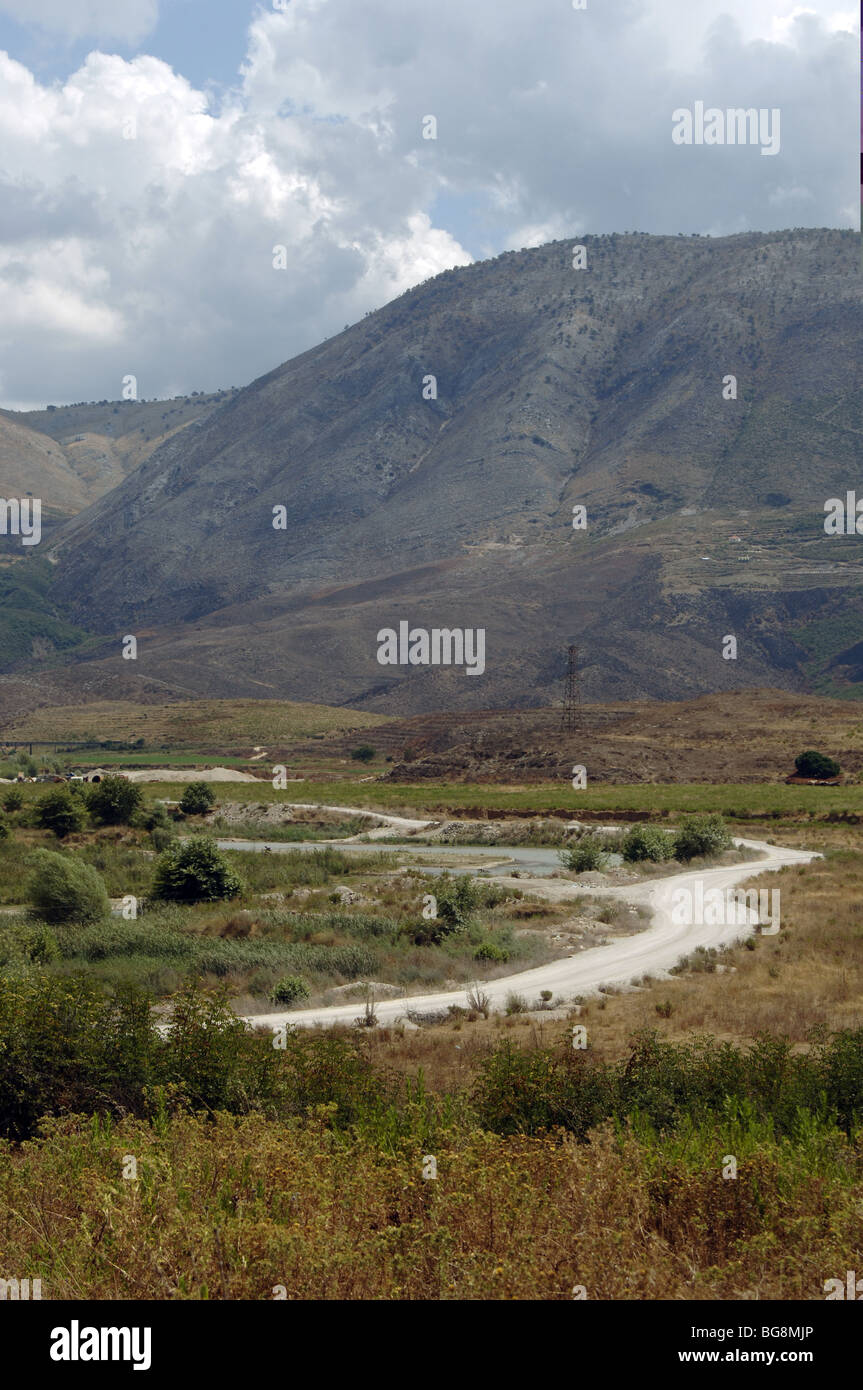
(737, 802)
(557, 1169)
(194, 724)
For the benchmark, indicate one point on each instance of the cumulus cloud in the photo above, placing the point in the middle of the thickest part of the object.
(128, 20)
(138, 218)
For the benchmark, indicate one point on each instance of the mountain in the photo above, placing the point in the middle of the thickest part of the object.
(556, 387)
(71, 454)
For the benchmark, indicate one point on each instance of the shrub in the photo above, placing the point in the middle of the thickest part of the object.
(516, 1003)
(647, 842)
(29, 942)
(62, 888)
(812, 764)
(4, 829)
(586, 853)
(701, 836)
(289, 989)
(363, 754)
(60, 811)
(162, 836)
(457, 900)
(114, 800)
(13, 800)
(194, 870)
(197, 799)
(489, 950)
(153, 816)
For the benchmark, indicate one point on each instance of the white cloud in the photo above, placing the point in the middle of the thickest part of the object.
(129, 20)
(153, 254)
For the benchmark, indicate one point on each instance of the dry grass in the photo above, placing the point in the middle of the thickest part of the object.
(248, 1209)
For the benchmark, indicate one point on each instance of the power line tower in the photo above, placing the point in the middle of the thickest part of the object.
(570, 717)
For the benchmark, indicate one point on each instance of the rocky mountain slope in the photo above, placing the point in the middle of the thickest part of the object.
(556, 387)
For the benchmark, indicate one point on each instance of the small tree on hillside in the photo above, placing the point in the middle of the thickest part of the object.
(114, 800)
(363, 754)
(197, 799)
(816, 765)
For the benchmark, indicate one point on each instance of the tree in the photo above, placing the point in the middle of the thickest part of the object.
(289, 989)
(646, 842)
(197, 799)
(114, 800)
(363, 754)
(194, 870)
(61, 812)
(816, 765)
(701, 836)
(62, 888)
(13, 800)
(588, 853)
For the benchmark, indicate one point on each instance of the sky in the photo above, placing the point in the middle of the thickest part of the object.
(154, 153)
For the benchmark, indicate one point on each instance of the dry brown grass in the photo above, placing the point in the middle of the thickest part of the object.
(247, 1209)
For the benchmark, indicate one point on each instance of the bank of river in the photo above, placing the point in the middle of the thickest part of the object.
(477, 860)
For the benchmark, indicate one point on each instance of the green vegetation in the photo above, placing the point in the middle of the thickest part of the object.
(363, 754)
(290, 989)
(61, 812)
(114, 800)
(701, 837)
(197, 799)
(587, 853)
(647, 842)
(194, 870)
(812, 764)
(28, 619)
(64, 889)
(737, 801)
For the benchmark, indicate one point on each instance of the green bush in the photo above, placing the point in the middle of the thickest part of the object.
(489, 950)
(647, 842)
(114, 800)
(587, 853)
(817, 765)
(62, 888)
(194, 870)
(197, 799)
(701, 836)
(27, 942)
(4, 829)
(457, 900)
(161, 837)
(13, 800)
(363, 754)
(61, 812)
(152, 816)
(288, 990)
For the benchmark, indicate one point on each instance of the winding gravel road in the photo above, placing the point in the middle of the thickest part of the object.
(650, 952)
